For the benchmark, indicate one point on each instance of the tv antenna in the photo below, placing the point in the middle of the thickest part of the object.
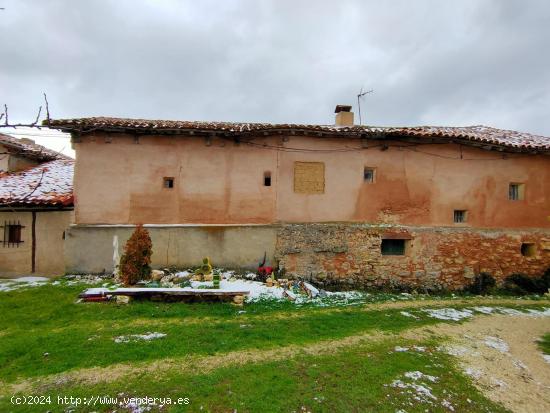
(359, 96)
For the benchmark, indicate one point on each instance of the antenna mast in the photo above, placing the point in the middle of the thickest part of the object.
(359, 96)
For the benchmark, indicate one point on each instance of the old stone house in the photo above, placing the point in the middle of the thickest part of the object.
(36, 207)
(338, 203)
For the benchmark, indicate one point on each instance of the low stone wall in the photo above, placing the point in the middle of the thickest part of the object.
(442, 257)
(89, 248)
(339, 254)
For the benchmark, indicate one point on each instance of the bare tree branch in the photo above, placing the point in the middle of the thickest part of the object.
(47, 109)
(37, 116)
(34, 124)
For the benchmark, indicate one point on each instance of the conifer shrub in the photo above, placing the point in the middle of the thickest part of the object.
(135, 263)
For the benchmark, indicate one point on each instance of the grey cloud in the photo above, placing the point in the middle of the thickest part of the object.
(429, 62)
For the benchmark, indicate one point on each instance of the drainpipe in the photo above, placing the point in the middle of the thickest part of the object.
(33, 232)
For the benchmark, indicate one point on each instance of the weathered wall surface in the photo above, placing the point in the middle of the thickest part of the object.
(446, 257)
(329, 254)
(16, 260)
(222, 183)
(90, 248)
(51, 229)
(122, 182)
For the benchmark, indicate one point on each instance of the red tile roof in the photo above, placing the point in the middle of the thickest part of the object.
(473, 134)
(28, 149)
(48, 184)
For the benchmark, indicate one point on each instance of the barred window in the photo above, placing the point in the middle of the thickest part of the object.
(12, 234)
(460, 216)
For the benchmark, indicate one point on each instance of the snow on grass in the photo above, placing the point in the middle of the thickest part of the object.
(546, 358)
(399, 349)
(407, 314)
(509, 311)
(11, 284)
(139, 337)
(418, 375)
(484, 310)
(496, 343)
(449, 313)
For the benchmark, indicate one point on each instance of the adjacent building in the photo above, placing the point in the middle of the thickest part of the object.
(36, 207)
(342, 203)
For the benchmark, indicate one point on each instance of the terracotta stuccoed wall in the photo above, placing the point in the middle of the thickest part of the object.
(121, 182)
(220, 182)
(445, 257)
(49, 259)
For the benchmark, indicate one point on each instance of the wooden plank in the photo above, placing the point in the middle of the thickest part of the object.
(144, 292)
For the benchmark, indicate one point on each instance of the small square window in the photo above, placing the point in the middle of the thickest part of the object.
(12, 234)
(516, 192)
(393, 246)
(368, 175)
(267, 178)
(460, 216)
(528, 249)
(168, 182)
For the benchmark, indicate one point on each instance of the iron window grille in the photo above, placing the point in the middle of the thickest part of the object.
(12, 233)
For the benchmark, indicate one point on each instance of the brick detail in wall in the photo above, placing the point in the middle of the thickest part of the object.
(337, 254)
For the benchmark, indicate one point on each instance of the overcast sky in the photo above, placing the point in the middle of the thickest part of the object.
(429, 62)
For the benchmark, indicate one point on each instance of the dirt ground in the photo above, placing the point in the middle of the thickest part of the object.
(501, 355)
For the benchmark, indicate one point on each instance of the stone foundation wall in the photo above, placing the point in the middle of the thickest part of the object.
(441, 257)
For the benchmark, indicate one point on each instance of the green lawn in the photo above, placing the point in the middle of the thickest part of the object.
(544, 344)
(222, 358)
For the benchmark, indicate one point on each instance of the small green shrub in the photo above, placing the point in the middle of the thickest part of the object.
(135, 263)
(482, 284)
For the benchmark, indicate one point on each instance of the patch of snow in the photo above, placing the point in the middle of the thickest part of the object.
(546, 358)
(509, 311)
(407, 314)
(448, 405)
(134, 407)
(519, 364)
(539, 313)
(498, 382)
(182, 274)
(399, 349)
(423, 392)
(449, 313)
(30, 279)
(475, 373)
(139, 337)
(11, 284)
(484, 310)
(417, 375)
(496, 343)
(455, 350)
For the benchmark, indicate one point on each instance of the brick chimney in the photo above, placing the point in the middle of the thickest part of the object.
(344, 115)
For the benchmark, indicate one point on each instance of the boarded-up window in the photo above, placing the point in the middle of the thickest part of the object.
(309, 177)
